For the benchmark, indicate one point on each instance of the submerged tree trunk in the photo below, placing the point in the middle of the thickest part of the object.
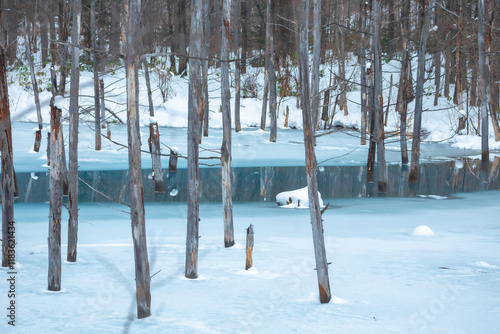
(419, 94)
(227, 203)
(8, 186)
(154, 137)
(311, 165)
(73, 135)
(194, 110)
(137, 214)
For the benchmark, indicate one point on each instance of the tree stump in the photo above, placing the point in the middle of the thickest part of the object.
(249, 262)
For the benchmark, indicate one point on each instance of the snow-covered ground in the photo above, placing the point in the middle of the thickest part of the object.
(383, 278)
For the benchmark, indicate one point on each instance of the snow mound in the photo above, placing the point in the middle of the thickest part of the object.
(295, 199)
(433, 197)
(422, 231)
(483, 264)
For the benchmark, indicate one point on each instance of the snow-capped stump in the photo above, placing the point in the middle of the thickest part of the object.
(295, 199)
(423, 231)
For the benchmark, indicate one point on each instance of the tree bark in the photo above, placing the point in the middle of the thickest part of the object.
(316, 60)
(362, 24)
(8, 186)
(249, 244)
(437, 78)
(95, 66)
(271, 72)
(194, 110)
(312, 184)
(237, 65)
(73, 134)
(417, 121)
(227, 203)
(131, 43)
(206, 53)
(488, 69)
(485, 81)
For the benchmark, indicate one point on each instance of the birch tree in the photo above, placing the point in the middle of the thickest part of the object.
(8, 187)
(194, 110)
(73, 133)
(302, 22)
(419, 95)
(227, 203)
(131, 43)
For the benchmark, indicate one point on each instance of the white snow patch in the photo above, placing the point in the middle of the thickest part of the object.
(459, 164)
(422, 231)
(433, 196)
(33, 176)
(295, 199)
(338, 300)
(175, 149)
(59, 102)
(174, 192)
(483, 264)
(152, 120)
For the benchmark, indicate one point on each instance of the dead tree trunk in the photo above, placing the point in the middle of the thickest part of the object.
(250, 234)
(137, 214)
(437, 77)
(489, 88)
(378, 100)
(8, 186)
(362, 23)
(206, 51)
(459, 84)
(95, 66)
(419, 93)
(237, 65)
(485, 81)
(55, 184)
(271, 72)
(227, 203)
(311, 165)
(73, 135)
(263, 116)
(34, 83)
(316, 59)
(154, 137)
(194, 110)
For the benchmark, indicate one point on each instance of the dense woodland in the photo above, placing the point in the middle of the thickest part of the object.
(463, 37)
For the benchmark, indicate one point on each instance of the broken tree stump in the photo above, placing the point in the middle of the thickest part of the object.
(250, 234)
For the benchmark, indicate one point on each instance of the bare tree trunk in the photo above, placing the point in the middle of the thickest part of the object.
(271, 71)
(227, 203)
(8, 187)
(73, 134)
(249, 244)
(237, 65)
(419, 93)
(311, 165)
(182, 19)
(154, 137)
(95, 66)
(437, 79)
(266, 76)
(44, 33)
(194, 110)
(485, 82)
(316, 59)
(55, 184)
(63, 49)
(489, 88)
(362, 24)
(459, 85)
(34, 83)
(206, 52)
(131, 43)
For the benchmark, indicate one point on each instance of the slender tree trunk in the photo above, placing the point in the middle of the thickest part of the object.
(437, 79)
(485, 153)
(362, 24)
(273, 131)
(419, 93)
(489, 88)
(237, 65)
(44, 33)
(131, 43)
(55, 198)
(154, 137)
(266, 75)
(73, 134)
(459, 85)
(227, 203)
(311, 165)
(194, 110)
(8, 186)
(182, 19)
(316, 60)
(63, 49)
(95, 66)
(34, 83)
(206, 53)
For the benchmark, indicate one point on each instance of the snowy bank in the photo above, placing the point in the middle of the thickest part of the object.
(296, 199)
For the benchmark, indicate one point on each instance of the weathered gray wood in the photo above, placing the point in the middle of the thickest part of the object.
(437, 77)
(419, 95)
(8, 186)
(237, 65)
(250, 235)
(102, 105)
(154, 137)
(271, 72)
(311, 164)
(76, 8)
(364, 116)
(227, 202)
(315, 97)
(206, 51)
(34, 83)
(63, 48)
(172, 161)
(370, 164)
(55, 199)
(378, 100)
(95, 66)
(131, 44)
(485, 81)
(265, 94)
(386, 117)
(194, 111)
